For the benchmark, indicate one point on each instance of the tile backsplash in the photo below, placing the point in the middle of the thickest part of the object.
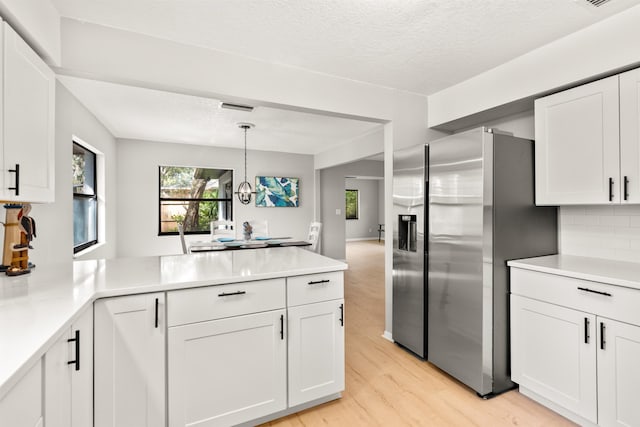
(611, 232)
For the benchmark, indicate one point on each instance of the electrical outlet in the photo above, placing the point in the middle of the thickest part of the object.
(338, 211)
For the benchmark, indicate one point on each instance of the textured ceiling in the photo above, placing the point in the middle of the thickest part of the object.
(137, 113)
(419, 45)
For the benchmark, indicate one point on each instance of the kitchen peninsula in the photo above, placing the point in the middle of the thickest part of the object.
(209, 339)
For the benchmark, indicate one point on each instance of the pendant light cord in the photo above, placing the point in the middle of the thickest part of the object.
(245, 153)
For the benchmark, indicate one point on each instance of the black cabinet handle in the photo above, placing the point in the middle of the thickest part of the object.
(586, 330)
(17, 187)
(602, 341)
(228, 294)
(607, 294)
(317, 282)
(341, 314)
(626, 188)
(76, 339)
(157, 312)
(282, 326)
(611, 189)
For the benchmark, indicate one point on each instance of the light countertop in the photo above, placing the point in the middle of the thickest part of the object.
(618, 273)
(36, 308)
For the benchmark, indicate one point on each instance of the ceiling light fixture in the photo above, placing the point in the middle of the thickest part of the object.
(238, 107)
(244, 189)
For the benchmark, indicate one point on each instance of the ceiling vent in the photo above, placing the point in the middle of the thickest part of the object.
(238, 107)
(597, 3)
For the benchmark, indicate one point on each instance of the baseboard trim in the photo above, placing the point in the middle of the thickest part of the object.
(290, 411)
(556, 408)
(387, 336)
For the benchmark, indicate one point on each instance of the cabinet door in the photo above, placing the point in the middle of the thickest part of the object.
(69, 385)
(618, 373)
(130, 361)
(28, 120)
(22, 406)
(577, 145)
(228, 371)
(316, 351)
(553, 354)
(630, 136)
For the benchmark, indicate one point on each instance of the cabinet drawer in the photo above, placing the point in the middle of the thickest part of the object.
(615, 302)
(217, 302)
(315, 288)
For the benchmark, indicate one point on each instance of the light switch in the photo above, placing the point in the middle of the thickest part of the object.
(338, 211)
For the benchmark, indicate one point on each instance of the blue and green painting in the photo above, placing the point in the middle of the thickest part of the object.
(276, 191)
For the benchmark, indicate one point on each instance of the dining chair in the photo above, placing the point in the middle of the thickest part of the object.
(260, 228)
(222, 228)
(181, 234)
(314, 236)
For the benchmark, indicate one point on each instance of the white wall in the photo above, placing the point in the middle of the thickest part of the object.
(332, 186)
(381, 203)
(137, 196)
(54, 241)
(366, 226)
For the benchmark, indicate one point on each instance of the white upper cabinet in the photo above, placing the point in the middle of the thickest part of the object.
(577, 145)
(630, 136)
(28, 121)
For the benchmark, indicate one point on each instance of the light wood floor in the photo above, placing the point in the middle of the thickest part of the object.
(387, 386)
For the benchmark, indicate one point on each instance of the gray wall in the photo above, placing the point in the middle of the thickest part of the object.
(137, 198)
(54, 241)
(366, 226)
(332, 186)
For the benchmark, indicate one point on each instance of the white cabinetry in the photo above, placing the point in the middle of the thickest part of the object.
(28, 120)
(22, 406)
(68, 374)
(228, 365)
(316, 336)
(130, 361)
(630, 136)
(577, 145)
(575, 346)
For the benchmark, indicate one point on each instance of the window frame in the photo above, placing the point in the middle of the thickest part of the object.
(173, 199)
(84, 196)
(357, 204)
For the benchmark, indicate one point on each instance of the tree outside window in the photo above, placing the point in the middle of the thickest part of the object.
(351, 205)
(194, 197)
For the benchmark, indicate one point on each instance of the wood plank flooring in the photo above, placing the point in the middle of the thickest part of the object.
(387, 386)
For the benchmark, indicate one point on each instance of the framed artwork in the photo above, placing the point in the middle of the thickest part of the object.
(275, 191)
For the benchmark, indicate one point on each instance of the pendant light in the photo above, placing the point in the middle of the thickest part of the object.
(244, 189)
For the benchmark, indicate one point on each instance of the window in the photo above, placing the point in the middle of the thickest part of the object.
(351, 206)
(194, 197)
(85, 198)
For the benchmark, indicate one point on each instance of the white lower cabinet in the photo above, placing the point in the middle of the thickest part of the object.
(553, 354)
(568, 353)
(68, 373)
(316, 351)
(227, 371)
(130, 361)
(618, 374)
(22, 405)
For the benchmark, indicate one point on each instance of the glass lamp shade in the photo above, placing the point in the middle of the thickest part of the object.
(244, 192)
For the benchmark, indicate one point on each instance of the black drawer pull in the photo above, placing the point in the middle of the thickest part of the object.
(77, 341)
(602, 341)
(17, 172)
(586, 330)
(157, 302)
(626, 188)
(611, 189)
(282, 326)
(607, 294)
(341, 314)
(228, 294)
(317, 282)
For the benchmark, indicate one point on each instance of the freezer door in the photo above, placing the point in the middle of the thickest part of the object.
(408, 249)
(459, 245)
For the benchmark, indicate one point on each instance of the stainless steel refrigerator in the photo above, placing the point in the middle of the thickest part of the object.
(479, 188)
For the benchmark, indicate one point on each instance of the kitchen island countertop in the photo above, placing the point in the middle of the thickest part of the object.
(36, 308)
